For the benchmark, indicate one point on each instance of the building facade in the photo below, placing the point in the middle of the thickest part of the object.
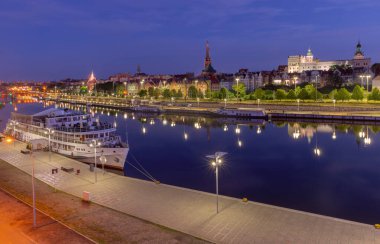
(300, 63)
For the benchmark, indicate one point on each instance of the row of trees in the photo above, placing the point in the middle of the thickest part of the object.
(309, 93)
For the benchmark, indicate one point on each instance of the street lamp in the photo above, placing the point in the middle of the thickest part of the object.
(49, 132)
(225, 103)
(362, 76)
(258, 102)
(237, 88)
(125, 90)
(298, 104)
(367, 76)
(216, 162)
(95, 144)
(334, 101)
(295, 82)
(316, 87)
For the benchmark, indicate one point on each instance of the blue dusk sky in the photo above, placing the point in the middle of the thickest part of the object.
(53, 39)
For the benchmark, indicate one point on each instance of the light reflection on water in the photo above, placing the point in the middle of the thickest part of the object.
(327, 168)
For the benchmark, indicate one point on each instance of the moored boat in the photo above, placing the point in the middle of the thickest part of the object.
(70, 133)
(242, 112)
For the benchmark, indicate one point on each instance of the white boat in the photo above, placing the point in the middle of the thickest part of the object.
(142, 108)
(72, 135)
(242, 112)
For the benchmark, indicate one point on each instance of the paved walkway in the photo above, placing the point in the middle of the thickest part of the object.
(190, 211)
(16, 225)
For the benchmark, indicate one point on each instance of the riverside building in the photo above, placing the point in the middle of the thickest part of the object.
(300, 63)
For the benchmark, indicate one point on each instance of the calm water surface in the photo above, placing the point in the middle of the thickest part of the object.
(271, 163)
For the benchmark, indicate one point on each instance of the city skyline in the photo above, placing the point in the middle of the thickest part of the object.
(52, 40)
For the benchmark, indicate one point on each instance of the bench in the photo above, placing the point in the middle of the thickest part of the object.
(25, 151)
(68, 170)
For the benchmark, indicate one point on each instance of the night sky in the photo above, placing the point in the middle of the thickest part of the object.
(52, 40)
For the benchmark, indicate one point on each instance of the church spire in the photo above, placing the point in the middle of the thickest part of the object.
(207, 58)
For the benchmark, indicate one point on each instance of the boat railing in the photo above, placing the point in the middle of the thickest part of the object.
(84, 129)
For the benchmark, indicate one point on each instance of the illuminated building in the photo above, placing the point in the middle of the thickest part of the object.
(300, 63)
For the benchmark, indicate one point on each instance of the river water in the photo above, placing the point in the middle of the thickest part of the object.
(268, 162)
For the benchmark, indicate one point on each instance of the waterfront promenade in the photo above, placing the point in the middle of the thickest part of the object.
(191, 211)
(276, 110)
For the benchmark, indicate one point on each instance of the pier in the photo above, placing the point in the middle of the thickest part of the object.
(189, 211)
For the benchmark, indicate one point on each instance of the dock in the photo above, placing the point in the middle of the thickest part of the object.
(189, 211)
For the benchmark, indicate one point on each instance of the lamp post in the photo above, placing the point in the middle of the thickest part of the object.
(14, 123)
(298, 104)
(334, 101)
(237, 89)
(258, 102)
(361, 76)
(295, 82)
(49, 132)
(316, 87)
(95, 144)
(367, 76)
(125, 90)
(196, 92)
(216, 162)
(225, 103)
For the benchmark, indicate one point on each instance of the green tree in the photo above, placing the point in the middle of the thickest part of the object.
(315, 94)
(179, 93)
(223, 93)
(309, 88)
(343, 94)
(332, 94)
(280, 94)
(297, 90)
(143, 93)
(239, 89)
(151, 91)
(156, 93)
(83, 90)
(208, 93)
(357, 93)
(268, 95)
(374, 95)
(303, 95)
(291, 95)
(192, 91)
(259, 93)
(167, 93)
(119, 89)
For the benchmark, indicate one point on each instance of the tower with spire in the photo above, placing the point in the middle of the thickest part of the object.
(91, 82)
(208, 69)
(358, 53)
